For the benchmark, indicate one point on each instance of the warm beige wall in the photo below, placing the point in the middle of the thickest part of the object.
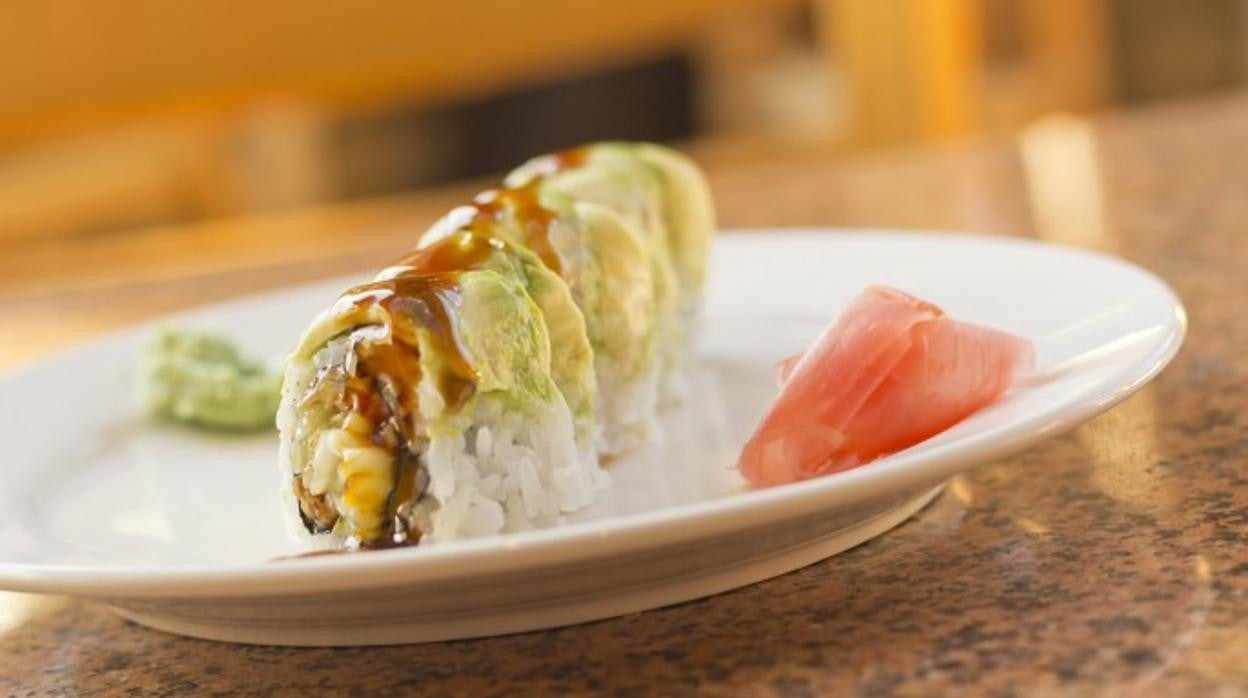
(64, 63)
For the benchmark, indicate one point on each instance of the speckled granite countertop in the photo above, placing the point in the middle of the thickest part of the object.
(1110, 561)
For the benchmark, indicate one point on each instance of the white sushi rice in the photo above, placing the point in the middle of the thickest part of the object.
(507, 472)
(627, 407)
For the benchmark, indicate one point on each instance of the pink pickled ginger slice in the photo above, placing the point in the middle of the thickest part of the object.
(891, 371)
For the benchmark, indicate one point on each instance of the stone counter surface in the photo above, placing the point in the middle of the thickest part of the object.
(1110, 561)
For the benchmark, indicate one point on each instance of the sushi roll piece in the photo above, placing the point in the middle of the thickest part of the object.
(605, 265)
(572, 358)
(688, 213)
(661, 195)
(422, 407)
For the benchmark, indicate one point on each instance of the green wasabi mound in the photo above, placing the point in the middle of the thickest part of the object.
(202, 380)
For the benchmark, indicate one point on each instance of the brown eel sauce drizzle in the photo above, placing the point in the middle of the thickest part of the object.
(523, 205)
(534, 219)
(471, 246)
(564, 160)
(459, 251)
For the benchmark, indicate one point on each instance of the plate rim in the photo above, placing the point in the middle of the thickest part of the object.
(615, 535)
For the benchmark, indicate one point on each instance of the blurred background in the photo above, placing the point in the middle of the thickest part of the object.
(137, 113)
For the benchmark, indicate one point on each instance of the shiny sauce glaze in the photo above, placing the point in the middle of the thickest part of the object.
(460, 251)
(414, 302)
(554, 163)
(522, 205)
(472, 246)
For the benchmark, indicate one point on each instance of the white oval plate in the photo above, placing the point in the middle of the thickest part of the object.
(179, 530)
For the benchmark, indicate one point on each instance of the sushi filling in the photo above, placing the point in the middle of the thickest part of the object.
(358, 470)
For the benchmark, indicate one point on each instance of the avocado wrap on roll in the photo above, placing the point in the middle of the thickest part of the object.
(662, 196)
(606, 266)
(472, 386)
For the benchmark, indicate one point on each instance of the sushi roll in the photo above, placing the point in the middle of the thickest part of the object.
(472, 386)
